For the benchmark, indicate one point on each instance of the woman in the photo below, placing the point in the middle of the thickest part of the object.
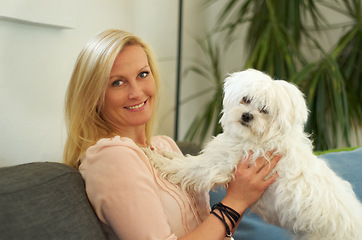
(110, 106)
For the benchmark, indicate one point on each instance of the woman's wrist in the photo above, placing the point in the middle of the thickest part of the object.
(238, 206)
(228, 216)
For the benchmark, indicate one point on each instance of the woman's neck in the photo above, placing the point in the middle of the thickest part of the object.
(137, 134)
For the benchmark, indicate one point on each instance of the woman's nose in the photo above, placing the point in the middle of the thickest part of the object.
(135, 90)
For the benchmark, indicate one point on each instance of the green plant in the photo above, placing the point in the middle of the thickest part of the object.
(210, 70)
(333, 85)
(349, 59)
(275, 37)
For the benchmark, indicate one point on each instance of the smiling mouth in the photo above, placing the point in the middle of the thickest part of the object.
(136, 106)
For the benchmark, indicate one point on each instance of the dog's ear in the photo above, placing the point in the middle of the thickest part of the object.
(226, 90)
(295, 101)
(233, 85)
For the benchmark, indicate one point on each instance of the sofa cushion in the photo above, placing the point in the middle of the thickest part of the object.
(188, 148)
(347, 164)
(45, 201)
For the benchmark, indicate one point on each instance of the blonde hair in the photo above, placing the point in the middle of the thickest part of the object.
(86, 90)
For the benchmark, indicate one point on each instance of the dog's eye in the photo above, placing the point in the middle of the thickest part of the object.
(245, 100)
(263, 110)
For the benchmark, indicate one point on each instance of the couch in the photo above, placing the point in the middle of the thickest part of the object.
(47, 200)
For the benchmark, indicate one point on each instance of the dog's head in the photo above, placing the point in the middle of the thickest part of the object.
(258, 108)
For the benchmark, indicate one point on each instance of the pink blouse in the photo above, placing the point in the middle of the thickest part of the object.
(131, 199)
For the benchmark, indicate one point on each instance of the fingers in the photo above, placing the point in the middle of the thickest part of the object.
(269, 165)
(271, 178)
(269, 159)
(263, 165)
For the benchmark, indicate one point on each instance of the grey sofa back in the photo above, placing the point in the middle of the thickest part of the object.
(45, 200)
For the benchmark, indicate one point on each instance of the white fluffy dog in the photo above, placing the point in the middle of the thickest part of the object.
(261, 114)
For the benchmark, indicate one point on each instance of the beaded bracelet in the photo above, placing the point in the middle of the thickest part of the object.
(230, 213)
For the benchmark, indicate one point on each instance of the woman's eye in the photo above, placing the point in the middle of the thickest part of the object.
(143, 74)
(117, 83)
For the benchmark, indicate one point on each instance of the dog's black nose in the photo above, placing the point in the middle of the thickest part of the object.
(247, 117)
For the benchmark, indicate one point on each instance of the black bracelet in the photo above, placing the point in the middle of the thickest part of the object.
(230, 213)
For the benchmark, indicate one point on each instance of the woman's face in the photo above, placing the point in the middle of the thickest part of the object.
(130, 95)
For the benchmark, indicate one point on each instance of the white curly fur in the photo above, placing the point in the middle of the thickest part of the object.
(308, 198)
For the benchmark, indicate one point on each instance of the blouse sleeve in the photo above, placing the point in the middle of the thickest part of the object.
(121, 187)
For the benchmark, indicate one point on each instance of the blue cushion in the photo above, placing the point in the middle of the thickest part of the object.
(346, 164)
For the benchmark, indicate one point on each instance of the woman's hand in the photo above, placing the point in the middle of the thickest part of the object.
(250, 182)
